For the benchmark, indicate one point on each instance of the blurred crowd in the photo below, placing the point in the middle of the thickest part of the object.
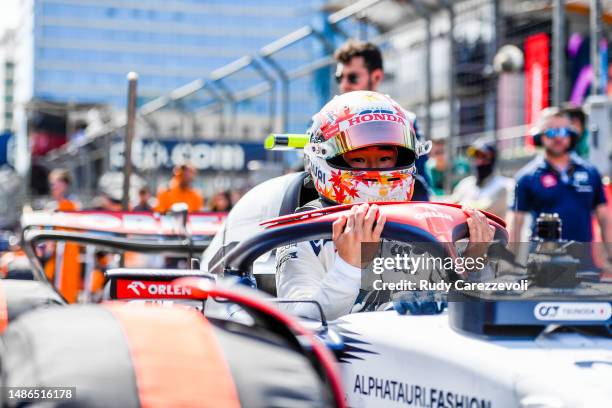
(470, 178)
(559, 179)
(178, 190)
(468, 175)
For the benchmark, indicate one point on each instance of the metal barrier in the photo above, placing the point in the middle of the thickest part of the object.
(457, 92)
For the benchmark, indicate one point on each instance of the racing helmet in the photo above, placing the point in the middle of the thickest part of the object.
(352, 121)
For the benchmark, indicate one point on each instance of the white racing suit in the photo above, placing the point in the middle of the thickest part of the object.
(313, 270)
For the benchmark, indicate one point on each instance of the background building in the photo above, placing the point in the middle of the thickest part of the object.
(214, 73)
(7, 70)
(72, 56)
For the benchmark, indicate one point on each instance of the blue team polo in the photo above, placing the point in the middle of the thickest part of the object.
(572, 194)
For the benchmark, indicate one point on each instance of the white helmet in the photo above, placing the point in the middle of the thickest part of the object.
(352, 121)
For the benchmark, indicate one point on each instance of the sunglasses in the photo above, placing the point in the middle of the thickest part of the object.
(559, 132)
(352, 78)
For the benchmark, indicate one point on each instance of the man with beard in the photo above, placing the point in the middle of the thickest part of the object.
(561, 182)
(487, 190)
(360, 68)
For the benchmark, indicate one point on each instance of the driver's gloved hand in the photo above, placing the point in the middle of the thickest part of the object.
(419, 303)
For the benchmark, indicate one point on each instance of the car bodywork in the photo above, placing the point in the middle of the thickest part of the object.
(175, 234)
(476, 353)
(473, 354)
(307, 373)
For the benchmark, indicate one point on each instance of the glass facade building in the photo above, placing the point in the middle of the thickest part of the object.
(83, 49)
(79, 51)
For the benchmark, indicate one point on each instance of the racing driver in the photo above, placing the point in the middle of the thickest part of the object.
(362, 149)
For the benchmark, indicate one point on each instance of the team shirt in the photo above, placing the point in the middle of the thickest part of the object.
(573, 194)
(63, 267)
(174, 195)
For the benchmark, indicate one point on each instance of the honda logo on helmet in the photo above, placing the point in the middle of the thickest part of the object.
(368, 117)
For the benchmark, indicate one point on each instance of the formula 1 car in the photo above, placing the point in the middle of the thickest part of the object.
(139, 233)
(119, 354)
(125, 354)
(530, 348)
(547, 346)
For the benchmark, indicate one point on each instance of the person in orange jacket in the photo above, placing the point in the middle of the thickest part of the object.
(63, 268)
(180, 191)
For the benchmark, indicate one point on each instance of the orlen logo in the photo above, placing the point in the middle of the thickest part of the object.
(136, 286)
(127, 289)
(595, 311)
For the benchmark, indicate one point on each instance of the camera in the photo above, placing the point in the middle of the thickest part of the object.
(550, 265)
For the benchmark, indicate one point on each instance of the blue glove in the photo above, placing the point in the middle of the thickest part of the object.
(420, 303)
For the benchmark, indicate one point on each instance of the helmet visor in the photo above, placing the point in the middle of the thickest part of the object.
(373, 133)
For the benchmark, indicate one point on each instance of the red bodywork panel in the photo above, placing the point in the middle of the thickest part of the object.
(142, 223)
(439, 219)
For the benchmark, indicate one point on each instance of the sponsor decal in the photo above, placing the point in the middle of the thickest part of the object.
(94, 221)
(590, 311)
(583, 189)
(354, 348)
(320, 174)
(318, 245)
(548, 180)
(205, 155)
(126, 223)
(376, 110)
(130, 289)
(581, 176)
(183, 304)
(414, 395)
(284, 254)
(581, 182)
(432, 214)
(369, 117)
(136, 287)
(140, 222)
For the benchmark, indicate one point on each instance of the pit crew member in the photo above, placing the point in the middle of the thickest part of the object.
(561, 182)
(180, 191)
(63, 267)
